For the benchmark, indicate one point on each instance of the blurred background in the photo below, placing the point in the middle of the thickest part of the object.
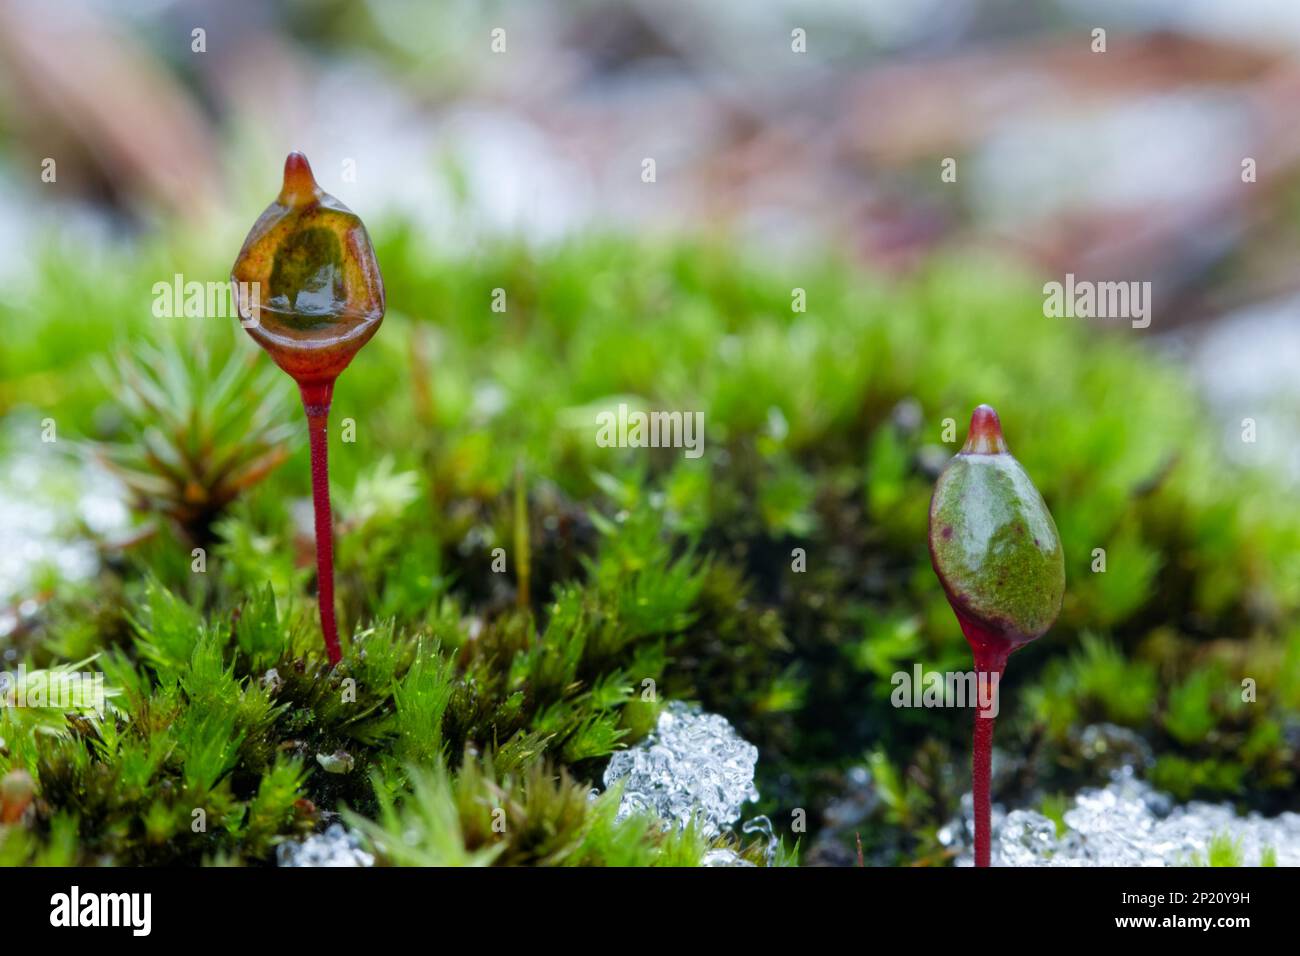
(1126, 165)
(795, 145)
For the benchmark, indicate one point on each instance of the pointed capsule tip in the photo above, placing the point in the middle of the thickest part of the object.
(985, 435)
(299, 183)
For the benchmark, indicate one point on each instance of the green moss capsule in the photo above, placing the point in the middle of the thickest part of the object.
(993, 542)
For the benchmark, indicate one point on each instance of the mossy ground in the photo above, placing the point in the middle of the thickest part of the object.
(780, 579)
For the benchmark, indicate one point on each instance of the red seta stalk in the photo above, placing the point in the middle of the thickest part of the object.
(316, 398)
(991, 651)
(997, 553)
(988, 673)
(981, 772)
(310, 293)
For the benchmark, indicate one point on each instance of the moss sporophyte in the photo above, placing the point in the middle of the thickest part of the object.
(320, 299)
(995, 548)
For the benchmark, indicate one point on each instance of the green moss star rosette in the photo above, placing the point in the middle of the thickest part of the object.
(994, 544)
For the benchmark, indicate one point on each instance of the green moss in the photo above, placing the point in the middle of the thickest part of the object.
(780, 579)
(1053, 807)
(1222, 851)
(1097, 682)
(1186, 778)
(481, 817)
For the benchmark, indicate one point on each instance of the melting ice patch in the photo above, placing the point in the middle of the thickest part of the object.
(337, 846)
(692, 764)
(723, 856)
(47, 502)
(1128, 823)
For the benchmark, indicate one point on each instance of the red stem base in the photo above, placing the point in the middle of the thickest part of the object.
(316, 402)
(989, 666)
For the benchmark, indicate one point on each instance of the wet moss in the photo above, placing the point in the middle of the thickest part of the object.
(780, 579)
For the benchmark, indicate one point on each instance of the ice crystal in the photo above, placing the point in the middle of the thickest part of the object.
(763, 826)
(723, 857)
(1127, 823)
(692, 764)
(47, 502)
(337, 846)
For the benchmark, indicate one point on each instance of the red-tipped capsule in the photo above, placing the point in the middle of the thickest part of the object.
(310, 293)
(985, 435)
(300, 185)
(995, 549)
(306, 280)
(993, 542)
